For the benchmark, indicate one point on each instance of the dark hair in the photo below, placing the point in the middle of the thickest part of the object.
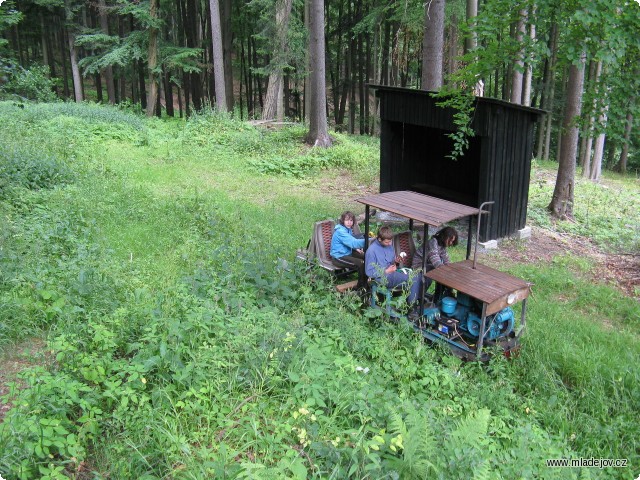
(445, 234)
(385, 233)
(346, 215)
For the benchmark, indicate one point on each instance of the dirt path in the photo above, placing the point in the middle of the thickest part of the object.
(620, 271)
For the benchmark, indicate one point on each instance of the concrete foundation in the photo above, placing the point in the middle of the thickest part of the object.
(523, 233)
(489, 245)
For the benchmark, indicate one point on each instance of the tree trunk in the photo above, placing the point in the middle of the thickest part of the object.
(307, 77)
(218, 57)
(384, 60)
(452, 51)
(595, 69)
(273, 98)
(352, 85)
(142, 90)
(548, 80)
(552, 90)
(43, 39)
(361, 72)
(107, 73)
(624, 155)
(433, 44)
(254, 51)
(561, 205)
(318, 131)
(63, 49)
(598, 150)
(245, 63)
(152, 60)
(528, 73)
(168, 94)
(471, 42)
(75, 70)
(123, 76)
(227, 46)
(518, 67)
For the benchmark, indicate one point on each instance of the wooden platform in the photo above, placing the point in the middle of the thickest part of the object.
(494, 288)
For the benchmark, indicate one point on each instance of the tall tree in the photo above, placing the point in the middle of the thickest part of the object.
(561, 205)
(433, 45)
(218, 58)
(152, 58)
(108, 71)
(318, 130)
(518, 68)
(273, 104)
(70, 9)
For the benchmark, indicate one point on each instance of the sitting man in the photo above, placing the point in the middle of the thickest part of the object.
(380, 264)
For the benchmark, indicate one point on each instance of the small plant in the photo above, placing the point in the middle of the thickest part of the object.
(29, 168)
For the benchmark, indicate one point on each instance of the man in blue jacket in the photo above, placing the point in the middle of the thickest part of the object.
(346, 249)
(380, 264)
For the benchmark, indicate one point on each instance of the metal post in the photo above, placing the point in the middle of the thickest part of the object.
(425, 232)
(475, 252)
(481, 333)
(469, 235)
(523, 315)
(366, 227)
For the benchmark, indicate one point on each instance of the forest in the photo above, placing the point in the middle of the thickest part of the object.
(314, 61)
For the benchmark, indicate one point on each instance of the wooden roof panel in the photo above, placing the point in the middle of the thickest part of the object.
(417, 206)
(483, 283)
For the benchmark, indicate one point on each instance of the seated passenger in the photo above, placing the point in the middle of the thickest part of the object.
(346, 249)
(380, 264)
(436, 251)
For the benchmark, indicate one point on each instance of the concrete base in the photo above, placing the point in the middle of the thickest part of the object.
(523, 233)
(489, 245)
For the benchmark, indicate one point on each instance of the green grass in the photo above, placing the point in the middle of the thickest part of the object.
(607, 212)
(184, 349)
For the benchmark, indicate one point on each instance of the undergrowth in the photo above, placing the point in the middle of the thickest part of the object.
(188, 344)
(607, 212)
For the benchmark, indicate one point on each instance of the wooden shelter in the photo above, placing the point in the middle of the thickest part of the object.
(415, 145)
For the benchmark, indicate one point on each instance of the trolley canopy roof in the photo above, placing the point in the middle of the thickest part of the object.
(417, 206)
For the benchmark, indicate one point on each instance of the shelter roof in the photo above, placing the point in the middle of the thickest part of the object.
(417, 206)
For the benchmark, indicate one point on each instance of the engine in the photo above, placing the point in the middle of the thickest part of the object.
(462, 315)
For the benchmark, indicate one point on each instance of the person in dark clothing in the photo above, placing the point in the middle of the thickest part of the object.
(437, 254)
(381, 265)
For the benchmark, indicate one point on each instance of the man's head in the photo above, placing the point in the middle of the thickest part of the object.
(385, 236)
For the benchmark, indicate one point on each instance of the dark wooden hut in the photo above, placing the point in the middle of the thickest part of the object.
(414, 150)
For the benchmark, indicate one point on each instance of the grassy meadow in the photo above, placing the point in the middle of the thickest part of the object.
(155, 259)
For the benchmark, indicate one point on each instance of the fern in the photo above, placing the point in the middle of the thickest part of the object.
(482, 471)
(472, 431)
(418, 443)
